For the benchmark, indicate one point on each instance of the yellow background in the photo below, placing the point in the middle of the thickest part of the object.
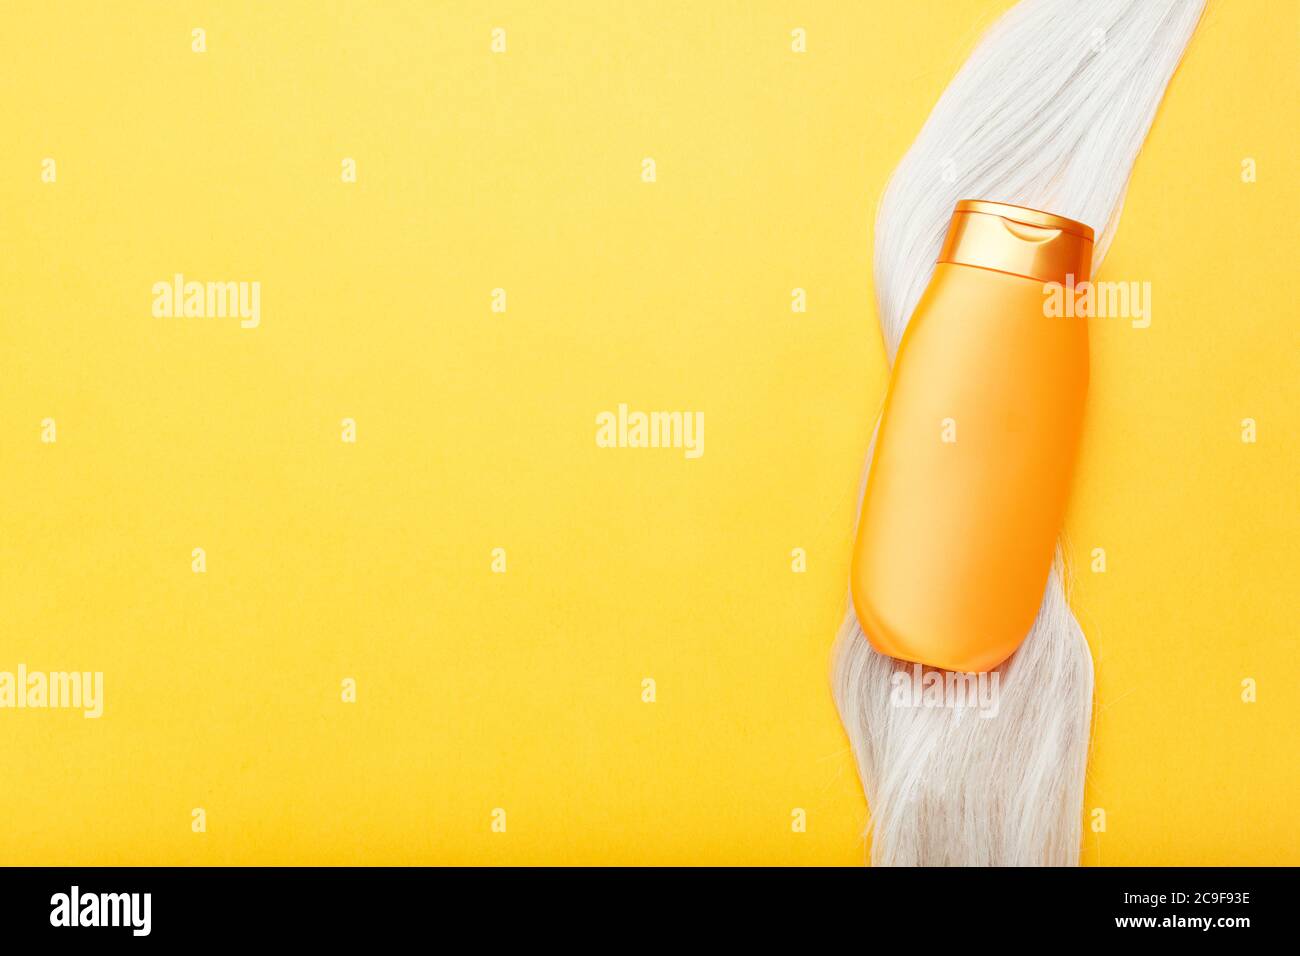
(476, 430)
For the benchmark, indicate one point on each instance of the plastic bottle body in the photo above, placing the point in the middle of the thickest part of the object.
(971, 470)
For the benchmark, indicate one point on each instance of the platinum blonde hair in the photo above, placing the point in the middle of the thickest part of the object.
(1050, 112)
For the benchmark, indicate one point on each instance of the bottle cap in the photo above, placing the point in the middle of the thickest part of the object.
(1018, 240)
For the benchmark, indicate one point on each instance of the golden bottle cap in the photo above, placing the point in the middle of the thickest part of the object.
(1018, 240)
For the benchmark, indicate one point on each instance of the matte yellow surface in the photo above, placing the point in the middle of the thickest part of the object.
(522, 690)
